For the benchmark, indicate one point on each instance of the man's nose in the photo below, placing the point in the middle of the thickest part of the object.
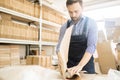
(73, 14)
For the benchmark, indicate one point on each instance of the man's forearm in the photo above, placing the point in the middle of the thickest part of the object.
(85, 59)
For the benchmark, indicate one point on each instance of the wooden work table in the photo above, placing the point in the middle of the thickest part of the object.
(37, 73)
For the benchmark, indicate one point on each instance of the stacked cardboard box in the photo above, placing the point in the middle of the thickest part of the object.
(15, 55)
(52, 15)
(118, 53)
(50, 36)
(29, 60)
(44, 61)
(119, 59)
(12, 30)
(37, 10)
(9, 55)
(4, 56)
(22, 6)
(22, 61)
(43, 53)
(5, 3)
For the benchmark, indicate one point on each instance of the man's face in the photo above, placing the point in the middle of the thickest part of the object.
(75, 10)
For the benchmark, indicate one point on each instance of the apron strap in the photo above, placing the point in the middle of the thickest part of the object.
(84, 32)
(68, 23)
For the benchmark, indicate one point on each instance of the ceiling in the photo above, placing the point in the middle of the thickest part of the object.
(97, 4)
(88, 4)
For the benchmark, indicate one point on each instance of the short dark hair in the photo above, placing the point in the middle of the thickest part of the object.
(70, 2)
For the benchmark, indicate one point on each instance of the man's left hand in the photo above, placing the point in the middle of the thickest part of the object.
(75, 69)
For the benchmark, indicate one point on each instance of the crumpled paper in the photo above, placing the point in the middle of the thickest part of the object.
(32, 72)
(112, 75)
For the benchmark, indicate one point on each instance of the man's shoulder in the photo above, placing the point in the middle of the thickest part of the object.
(64, 25)
(91, 22)
(90, 19)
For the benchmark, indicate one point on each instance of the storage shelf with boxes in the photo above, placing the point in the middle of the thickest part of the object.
(14, 32)
(23, 23)
(22, 6)
(53, 8)
(19, 14)
(9, 55)
(51, 23)
(52, 20)
(19, 25)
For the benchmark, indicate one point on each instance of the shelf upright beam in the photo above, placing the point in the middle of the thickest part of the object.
(40, 32)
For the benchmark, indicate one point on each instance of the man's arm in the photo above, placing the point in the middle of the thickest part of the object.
(82, 63)
(61, 34)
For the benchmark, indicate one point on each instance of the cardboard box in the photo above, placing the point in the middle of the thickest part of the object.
(106, 57)
(37, 10)
(5, 3)
(29, 60)
(15, 61)
(4, 16)
(44, 61)
(37, 60)
(23, 61)
(119, 56)
(49, 61)
(9, 55)
(43, 53)
(5, 63)
(45, 13)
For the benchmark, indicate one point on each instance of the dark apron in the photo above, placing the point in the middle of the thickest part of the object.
(78, 45)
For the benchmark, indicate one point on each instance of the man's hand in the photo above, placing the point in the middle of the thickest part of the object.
(75, 69)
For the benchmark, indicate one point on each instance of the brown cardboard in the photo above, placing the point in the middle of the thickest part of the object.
(4, 16)
(118, 57)
(106, 57)
(9, 55)
(43, 53)
(29, 60)
(63, 55)
(37, 60)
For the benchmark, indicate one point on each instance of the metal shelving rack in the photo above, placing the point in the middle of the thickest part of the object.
(23, 17)
(29, 18)
(16, 41)
(49, 43)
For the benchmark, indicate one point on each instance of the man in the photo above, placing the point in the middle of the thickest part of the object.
(83, 39)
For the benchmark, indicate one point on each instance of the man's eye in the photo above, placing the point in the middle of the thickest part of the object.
(75, 11)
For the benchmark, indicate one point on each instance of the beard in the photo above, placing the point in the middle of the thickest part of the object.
(75, 19)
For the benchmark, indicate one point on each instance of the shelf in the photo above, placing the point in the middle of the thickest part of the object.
(16, 41)
(51, 23)
(49, 43)
(18, 14)
(50, 6)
